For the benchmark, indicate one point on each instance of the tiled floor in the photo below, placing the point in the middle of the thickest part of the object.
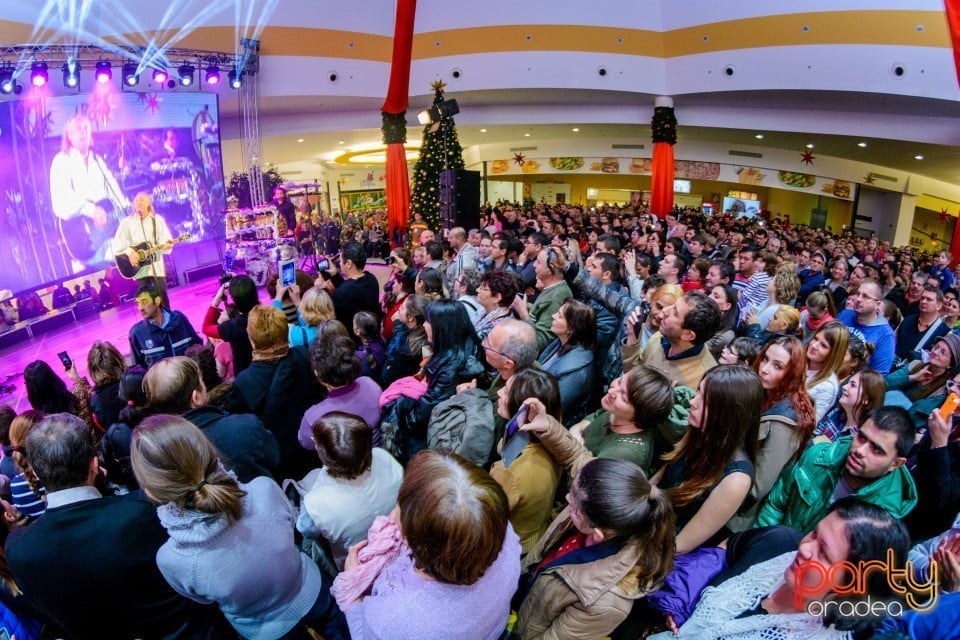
(113, 326)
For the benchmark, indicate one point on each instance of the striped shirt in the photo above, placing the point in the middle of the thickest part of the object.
(24, 499)
(755, 295)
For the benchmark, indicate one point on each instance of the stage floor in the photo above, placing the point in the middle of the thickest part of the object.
(112, 325)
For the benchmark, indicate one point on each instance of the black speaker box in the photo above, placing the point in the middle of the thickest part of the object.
(459, 199)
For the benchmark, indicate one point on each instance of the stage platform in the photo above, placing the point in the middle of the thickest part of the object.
(112, 325)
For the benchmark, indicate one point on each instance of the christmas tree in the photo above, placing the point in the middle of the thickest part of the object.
(438, 143)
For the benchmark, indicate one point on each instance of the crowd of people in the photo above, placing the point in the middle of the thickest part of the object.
(567, 423)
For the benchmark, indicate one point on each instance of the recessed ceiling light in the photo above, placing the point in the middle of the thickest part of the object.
(918, 157)
(575, 129)
(483, 130)
(526, 135)
(299, 139)
(759, 136)
(339, 141)
(810, 146)
(861, 144)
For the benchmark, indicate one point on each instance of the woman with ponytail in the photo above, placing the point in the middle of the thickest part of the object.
(788, 419)
(27, 493)
(613, 544)
(230, 543)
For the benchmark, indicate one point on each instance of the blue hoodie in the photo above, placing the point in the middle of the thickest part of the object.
(879, 333)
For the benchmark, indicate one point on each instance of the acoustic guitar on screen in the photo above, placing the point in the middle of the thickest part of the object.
(146, 252)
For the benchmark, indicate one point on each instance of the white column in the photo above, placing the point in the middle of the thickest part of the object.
(901, 234)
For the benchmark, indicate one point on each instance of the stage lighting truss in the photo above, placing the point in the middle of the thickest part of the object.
(181, 67)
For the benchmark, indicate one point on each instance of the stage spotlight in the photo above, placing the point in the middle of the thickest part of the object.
(38, 74)
(130, 75)
(186, 75)
(213, 75)
(103, 72)
(71, 75)
(160, 76)
(236, 79)
(438, 112)
(6, 80)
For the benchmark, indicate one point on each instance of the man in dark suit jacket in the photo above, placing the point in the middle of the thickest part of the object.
(89, 563)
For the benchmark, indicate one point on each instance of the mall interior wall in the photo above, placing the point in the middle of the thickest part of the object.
(798, 205)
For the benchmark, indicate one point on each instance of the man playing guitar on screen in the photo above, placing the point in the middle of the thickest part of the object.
(86, 197)
(144, 225)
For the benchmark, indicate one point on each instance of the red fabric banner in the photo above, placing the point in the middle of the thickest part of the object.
(398, 98)
(955, 243)
(398, 190)
(398, 93)
(953, 21)
(661, 180)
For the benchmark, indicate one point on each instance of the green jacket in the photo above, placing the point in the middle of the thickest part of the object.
(801, 497)
(541, 313)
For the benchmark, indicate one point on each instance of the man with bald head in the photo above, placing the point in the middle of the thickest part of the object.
(866, 321)
(466, 256)
(510, 347)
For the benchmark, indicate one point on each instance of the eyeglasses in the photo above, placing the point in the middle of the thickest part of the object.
(860, 294)
(486, 345)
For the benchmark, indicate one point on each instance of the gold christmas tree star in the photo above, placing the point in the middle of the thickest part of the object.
(438, 85)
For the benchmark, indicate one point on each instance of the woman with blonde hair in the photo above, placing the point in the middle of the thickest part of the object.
(27, 493)
(785, 321)
(274, 591)
(825, 353)
(662, 297)
(314, 308)
(781, 290)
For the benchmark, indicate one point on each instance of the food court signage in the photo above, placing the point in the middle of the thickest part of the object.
(683, 169)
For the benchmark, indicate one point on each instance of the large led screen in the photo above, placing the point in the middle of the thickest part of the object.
(70, 167)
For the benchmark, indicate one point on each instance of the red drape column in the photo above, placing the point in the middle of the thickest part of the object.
(394, 122)
(664, 133)
(953, 21)
(955, 243)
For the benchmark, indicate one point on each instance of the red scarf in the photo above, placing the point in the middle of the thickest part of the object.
(813, 325)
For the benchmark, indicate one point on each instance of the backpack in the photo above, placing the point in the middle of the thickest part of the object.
(464, 425)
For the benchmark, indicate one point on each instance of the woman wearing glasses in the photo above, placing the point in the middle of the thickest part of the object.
(922, 387)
